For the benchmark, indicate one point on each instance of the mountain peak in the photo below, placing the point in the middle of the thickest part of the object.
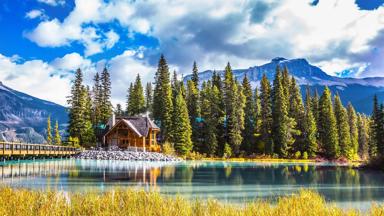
(278, 59)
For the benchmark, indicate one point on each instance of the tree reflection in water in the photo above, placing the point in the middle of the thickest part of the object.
(228, 181)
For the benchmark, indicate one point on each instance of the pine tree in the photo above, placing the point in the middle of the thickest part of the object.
(257, 124)
(266, 115)
(49, 131)
(57, 134)
(181, 129)
(106, 107)
(375, 129)
(286, 81)
(363, 135)
(296, 111)
(162, 101)
(137, 100)
(281, 123)
(130, 101)
(315, 109)
(192, 99)
(221, 125)
(352, 122)
(119, 110)
(343, 129)
(310, 129)
(75, 110)
(249, 117)
(328, 134)
(234, 105)
(148, 97)
(195, 75)
(210, 114)
(87, 137)
(97, 96)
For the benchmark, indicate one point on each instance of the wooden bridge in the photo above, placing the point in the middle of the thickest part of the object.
(8, 149)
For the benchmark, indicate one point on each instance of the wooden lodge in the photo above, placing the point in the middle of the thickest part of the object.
(135, 133)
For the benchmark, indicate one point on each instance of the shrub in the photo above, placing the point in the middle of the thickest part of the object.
(194, 156)
(227, 151)
(168, 149)
(305, 155)
(297, 154)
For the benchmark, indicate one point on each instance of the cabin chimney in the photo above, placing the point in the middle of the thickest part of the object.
(112, 120)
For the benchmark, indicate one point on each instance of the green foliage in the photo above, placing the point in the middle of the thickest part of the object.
(97, 100)
(49, 131)
(250, 124)
(194, 155)
(296, 112)
(298, 155)
(227, 151)
(310, 128)
(343, 129)
(353, 129)
(328, 134)
(305, 155)
(266, 115)
(363, 128)
(135, 98)
(148, 97)
(193, 105)
(162, 100)
(119, 110)
(106, 108)
(168, 149)
(181, 129)
(57, 137)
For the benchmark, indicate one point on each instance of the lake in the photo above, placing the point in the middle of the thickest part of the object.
(234, 182)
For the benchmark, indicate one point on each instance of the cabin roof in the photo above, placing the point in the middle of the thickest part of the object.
(140, 125)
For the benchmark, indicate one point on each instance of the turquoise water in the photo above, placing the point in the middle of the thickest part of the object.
(234, 182)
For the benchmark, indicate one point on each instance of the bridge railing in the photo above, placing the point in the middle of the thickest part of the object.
(16, 148)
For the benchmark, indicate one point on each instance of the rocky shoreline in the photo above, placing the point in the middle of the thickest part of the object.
(124, 155)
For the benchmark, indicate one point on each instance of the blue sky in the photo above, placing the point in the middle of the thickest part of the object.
(44, 41)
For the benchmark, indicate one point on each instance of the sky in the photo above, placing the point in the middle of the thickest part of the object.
(43, 42)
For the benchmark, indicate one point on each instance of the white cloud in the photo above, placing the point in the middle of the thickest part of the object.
(214, 32)
(33, 14)
(34, 78)
(123, 69)
(71, 62)
(52, 2)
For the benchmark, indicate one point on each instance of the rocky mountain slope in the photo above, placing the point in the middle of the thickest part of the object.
(24, 118)
(358, 91)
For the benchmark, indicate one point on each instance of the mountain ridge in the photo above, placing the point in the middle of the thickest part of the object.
(354, 90)
(24, 117)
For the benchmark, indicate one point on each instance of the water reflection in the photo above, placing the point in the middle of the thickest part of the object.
(227, 181)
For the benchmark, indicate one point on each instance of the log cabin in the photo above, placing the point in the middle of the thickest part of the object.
(137, 133)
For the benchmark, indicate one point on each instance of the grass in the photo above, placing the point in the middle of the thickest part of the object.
(21, 202)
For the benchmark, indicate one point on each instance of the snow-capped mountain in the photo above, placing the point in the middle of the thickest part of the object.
(358, 91)
(24, 118)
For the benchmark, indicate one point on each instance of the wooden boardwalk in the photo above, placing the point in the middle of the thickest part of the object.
(8, 149)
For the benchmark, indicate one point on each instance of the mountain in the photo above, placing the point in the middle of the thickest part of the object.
(24, 118)
(358, 91)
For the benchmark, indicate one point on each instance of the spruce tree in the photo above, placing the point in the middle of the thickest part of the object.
(266, 115)
(162, 101)
(343, 129)
(87, 135)
(315, 108)
(328, 134)
(257, 115)
(195, 75)
(221, 117)
(106, 107)
(75, 108)
(130, 101)
(181, 128)
(137, 99)
(310, 129)
(97, 96)
(49, 131)
(286, 81)
(281, 122)
(353, 130)
(363, 136)
(296, 111)
(249, 117)
(57, 137)
(375, 129)
(148, 97)
(119, 110)
(192, 99)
